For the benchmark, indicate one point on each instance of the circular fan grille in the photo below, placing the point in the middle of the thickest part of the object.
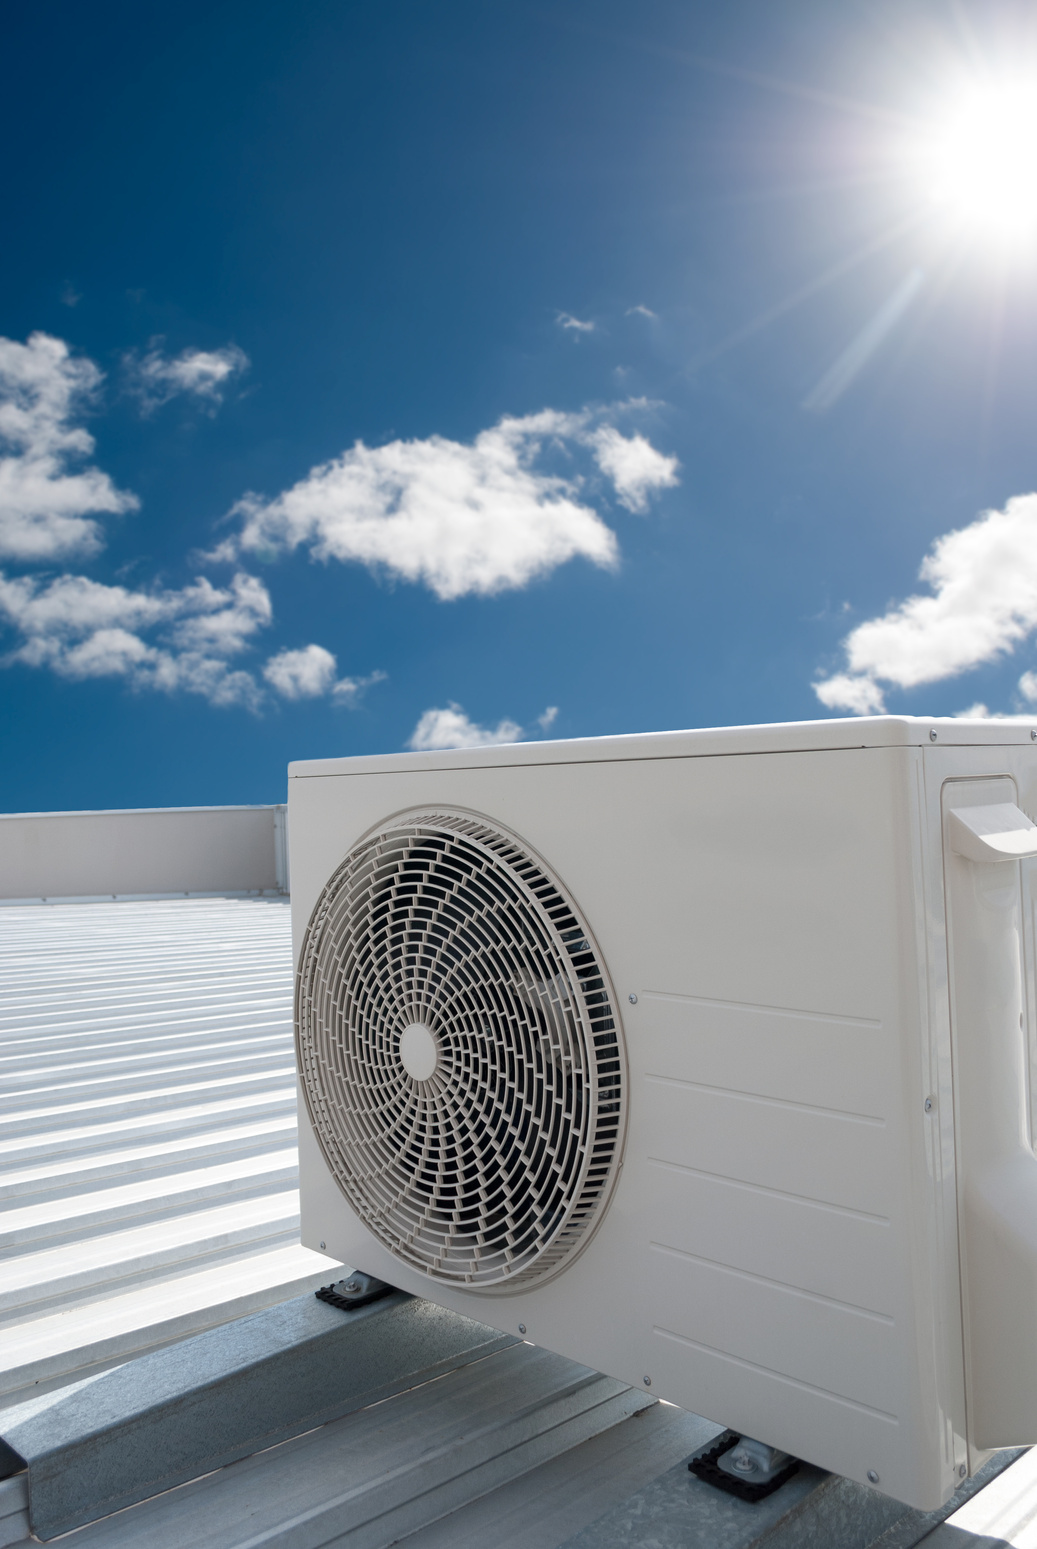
(482, 1151)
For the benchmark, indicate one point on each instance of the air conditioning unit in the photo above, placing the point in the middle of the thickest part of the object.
(703, 1058)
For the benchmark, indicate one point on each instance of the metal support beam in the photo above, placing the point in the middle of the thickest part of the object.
(185, 1410)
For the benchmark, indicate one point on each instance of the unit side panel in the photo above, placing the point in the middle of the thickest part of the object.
(760, 1259)
(990, 774)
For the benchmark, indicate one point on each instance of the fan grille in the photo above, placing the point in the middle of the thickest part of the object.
(491, 1170)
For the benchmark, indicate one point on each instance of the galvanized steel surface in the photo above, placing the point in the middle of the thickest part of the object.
(178, 1413)
(148, 1165)
(372, 1478)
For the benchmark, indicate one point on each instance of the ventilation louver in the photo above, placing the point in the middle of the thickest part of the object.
(460, 1051)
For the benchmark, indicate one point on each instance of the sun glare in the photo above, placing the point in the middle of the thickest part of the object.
(979, 163)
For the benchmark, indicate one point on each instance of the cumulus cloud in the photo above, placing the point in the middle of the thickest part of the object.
(47, 506)
(566, 320)
(451, 728)
(464, 518)
(859, 695)
(304, 674)
(311, 672)
(155, 378)
(547, 720)
(982, 604)
(81, 628)
(636, 469)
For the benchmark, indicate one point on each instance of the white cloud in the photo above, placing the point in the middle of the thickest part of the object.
(547, 720)
(566, 320)
(983, 603)
(81, 628)
(304, 674)
(46, 511)
(451, 728)
(634, 466)
(641, 311)
(861, 696)
(480, 517)
(311, 672)
(155, 378)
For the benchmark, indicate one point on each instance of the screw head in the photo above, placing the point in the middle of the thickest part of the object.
(632, 999)
(932, 735)
(928, 1105)
(522, 1328)
(647, 1381)
(324, 1245)
(354, 1285)
(1033, 735)
(962, 1467)
(873, 1477)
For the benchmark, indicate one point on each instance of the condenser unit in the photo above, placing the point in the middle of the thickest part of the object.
(702, 1058)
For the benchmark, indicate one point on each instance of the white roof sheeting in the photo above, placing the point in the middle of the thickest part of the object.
(147, 1129)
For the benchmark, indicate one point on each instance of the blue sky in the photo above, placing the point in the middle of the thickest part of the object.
(403, 375)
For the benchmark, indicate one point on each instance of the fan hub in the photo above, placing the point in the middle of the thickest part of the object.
(419, 1051)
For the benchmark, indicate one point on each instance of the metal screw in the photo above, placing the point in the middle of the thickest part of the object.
(1033, 735)
(324, 1245)
(354, 1285)
(873, 1477)
(932, 738)
(928, 1105)
(632, 999)
(962, 1469)
(647, 1382)
(522, 1328)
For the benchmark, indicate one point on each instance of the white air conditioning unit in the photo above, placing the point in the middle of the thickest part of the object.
(703, 1058)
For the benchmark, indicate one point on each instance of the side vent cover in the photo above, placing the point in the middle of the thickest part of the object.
(460, 1051)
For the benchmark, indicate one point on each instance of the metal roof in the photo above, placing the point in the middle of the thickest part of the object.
(147, 1129)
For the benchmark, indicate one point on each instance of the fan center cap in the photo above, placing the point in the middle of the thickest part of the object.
(419, 1051)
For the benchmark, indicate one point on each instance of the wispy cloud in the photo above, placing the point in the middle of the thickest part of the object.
(576, 324)
(46, 510)
(982, 604)
(155, 378)
(451, 728)
(640, 311)
(464, 518)
(842, 372)
(547, 720)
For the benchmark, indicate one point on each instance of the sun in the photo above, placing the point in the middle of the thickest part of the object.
(978, 163)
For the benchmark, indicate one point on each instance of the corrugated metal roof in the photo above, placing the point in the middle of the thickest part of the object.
(147, 1152)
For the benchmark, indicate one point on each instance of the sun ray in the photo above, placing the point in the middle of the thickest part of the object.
(804, 292)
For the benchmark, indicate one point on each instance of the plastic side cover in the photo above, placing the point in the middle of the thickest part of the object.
(997, 833)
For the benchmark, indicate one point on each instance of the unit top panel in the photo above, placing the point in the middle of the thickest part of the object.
(880, 731)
